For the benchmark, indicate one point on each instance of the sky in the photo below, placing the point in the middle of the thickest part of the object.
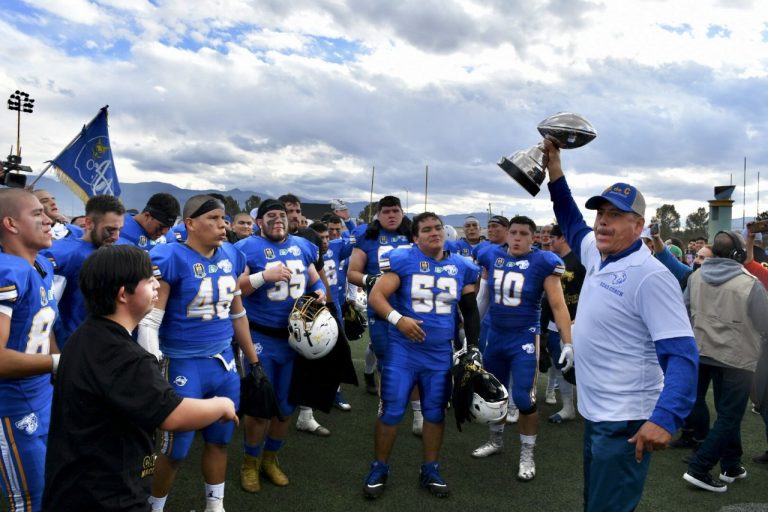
(308, 96)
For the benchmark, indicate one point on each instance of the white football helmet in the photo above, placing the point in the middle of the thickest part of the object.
(311, 327)
(450, 233)
(489, 399)
(361, 300)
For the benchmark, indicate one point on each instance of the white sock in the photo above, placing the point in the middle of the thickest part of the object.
(551, 377)
(157, 503)
(370, 360)
(214, 492)
(305, 413)
(416, 406)
(496, 427)
(528, 439)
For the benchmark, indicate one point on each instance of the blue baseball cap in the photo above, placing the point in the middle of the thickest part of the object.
(623, 196)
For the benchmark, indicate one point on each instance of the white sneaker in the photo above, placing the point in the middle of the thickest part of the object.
(565, 414)
(312, 426)
(418, 424)
(513, 415)
(527, 469)
(487, 449)
(551, 398)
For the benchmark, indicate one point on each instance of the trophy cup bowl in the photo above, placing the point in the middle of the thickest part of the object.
(566, 129)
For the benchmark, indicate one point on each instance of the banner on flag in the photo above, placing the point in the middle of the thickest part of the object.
(86, 165)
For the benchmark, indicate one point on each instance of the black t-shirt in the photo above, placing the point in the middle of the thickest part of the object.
(572, 280)
(108, 399)
(312, 236)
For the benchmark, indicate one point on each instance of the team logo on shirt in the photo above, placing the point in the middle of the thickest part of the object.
(383, 240)
(43, 297)
(225, 265)
(329, 253)
(198, 269)
(424, 266)
(618, 278)
(269, 253)
(259, 348)
(292, 250)
(499, 262)
(451, 270)
(28, 424)
(212, 269)
(142, 241)
(180, 381)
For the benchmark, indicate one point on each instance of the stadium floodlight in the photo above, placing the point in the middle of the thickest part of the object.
(19, 101)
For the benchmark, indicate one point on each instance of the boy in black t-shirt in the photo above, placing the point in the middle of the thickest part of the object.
(110, 395)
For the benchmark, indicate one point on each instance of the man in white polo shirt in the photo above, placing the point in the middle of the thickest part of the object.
(636, 358)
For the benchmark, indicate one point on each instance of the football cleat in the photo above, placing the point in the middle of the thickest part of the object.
(513, 415)
(551, 398)
(487, 449)
(430, 479)
(311, 426)
(527, 469)
(376, 479)
(340, 402)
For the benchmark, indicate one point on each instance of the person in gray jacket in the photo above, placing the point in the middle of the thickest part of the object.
(727, 305)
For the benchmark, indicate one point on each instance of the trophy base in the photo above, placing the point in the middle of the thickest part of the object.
(519, 176)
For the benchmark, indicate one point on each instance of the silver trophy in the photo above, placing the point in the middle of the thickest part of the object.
(566, 129)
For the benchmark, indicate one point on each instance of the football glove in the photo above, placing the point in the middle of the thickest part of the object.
(472, 356)
(258, 374)
(566, 356)
(370, 280)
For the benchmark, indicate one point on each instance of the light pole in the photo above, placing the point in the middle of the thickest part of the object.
(20, 102)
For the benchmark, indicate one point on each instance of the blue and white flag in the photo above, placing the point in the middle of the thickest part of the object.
(86, 165)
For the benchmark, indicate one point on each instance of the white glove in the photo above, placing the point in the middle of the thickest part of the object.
(149, 332)
(566, 356)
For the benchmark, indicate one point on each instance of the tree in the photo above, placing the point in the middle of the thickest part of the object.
(697, 223)
(668, 219)
(369, 208)
(231, 206)
(762, 215)
(252, 202)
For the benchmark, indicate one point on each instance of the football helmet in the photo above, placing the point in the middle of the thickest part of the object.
(450, 233)
(354, 322)
(312, 330)
(361, 301)
(489, 399)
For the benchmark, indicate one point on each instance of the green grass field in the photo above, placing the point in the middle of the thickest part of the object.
(327, 473)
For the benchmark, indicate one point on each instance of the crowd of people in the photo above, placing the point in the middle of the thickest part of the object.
(161, 320)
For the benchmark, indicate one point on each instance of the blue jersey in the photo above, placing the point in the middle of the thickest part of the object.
(376, 249)
(26, 296)
(67, 256)
(271, 304)
(335, 261)
(429, 291)
(196, 321)
(133, 233)
(177, 233)
(517, 284)
(461, 247)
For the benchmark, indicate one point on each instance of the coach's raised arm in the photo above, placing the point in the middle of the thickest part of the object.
(636, 357)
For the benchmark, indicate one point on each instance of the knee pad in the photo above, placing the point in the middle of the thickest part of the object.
(530, 410)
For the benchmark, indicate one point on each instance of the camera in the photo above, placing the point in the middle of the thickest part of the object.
(10, 172)
(654, 228)
(760, 226)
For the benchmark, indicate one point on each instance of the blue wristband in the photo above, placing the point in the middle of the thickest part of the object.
(318, 285)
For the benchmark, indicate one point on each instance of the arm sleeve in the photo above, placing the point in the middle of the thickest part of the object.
(679, 270)
(568, 216)
(679, 360)
(350, 224)
(759, 271)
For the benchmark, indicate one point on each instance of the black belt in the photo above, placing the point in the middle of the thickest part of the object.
(275, 332)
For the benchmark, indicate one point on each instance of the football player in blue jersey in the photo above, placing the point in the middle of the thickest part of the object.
(418, 294)
(28, 352)
(469, 241)
(61, 228)
(513, 280)
(280, 269)
(198, 312)
(372, 241)
(104, 220)
(146, 229)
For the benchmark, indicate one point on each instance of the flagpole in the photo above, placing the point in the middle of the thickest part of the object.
(50, 162)
(370, 202)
